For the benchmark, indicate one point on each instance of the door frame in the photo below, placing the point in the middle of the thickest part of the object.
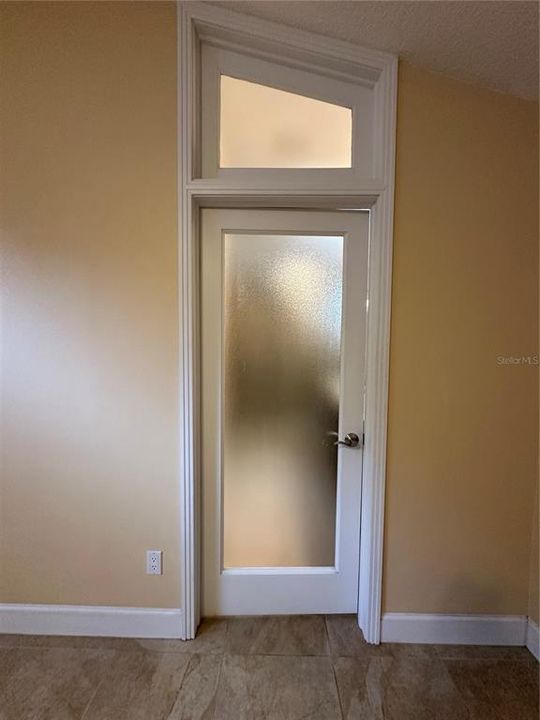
(375, 194)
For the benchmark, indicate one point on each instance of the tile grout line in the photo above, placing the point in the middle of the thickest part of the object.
(337, 689)
(325, 620)
(218, 680)
(186, 668)
(331, 659)
(222, 660)
(90, 701)
(85, 711)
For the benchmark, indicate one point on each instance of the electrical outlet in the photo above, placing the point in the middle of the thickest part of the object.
(153, 562)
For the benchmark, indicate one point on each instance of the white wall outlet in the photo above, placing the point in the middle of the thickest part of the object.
(153, 562)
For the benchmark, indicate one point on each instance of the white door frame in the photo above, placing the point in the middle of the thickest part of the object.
(375, 193)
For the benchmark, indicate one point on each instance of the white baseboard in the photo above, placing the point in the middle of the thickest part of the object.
(454, 629)
(168, 623)
(533, 639)
(91, 620)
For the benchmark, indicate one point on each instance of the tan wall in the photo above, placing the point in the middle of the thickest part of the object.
(463, 430)
(89, 331)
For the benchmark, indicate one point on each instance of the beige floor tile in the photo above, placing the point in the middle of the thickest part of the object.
(67, 641)
(265, 687)
(210, 639)
(420, 689)
(47, 683)
(273, 668)
(482, 652)
(410, 650)
(397, 689)
(141, 685)
(278, 635)
(360, 683)
(346, 639)
(498, 689)
(197, 697)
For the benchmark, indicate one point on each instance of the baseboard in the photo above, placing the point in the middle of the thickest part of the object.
(91, 620)
(533, 639)
(104, 621)
(454, 629)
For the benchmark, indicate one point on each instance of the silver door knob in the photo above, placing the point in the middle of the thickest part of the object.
(351, 440)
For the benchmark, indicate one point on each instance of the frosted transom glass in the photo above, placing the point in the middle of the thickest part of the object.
(282, 336)
(263, 127)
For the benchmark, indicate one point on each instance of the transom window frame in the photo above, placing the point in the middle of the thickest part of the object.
(217, 61)
(202, 24)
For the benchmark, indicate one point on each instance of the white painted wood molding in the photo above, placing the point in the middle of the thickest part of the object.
(202, 22)
(93, 620)
(533, 639)
(454, 629)
(167, 623)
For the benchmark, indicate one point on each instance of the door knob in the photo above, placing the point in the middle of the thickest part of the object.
(351, 440)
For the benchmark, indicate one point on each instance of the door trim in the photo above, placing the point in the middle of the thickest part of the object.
(375, 195)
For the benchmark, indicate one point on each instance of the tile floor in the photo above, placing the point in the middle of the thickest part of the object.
(274, 668)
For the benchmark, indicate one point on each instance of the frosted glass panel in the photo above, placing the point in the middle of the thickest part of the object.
(282, 333)
(262, 127)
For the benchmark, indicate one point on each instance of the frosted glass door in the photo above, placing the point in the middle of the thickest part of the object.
(283, 317)
(281, 354)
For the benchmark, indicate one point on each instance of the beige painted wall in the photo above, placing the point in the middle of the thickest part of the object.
(89, 307)
(89, 323)
(463, 430)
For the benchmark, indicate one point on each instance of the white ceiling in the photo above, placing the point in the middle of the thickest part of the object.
(493, 44)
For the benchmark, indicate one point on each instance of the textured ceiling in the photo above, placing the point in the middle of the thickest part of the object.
(493, 44)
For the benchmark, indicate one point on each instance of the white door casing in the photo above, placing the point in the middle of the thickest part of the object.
(199, 23)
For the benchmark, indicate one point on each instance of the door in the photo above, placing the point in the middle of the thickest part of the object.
(283, 327)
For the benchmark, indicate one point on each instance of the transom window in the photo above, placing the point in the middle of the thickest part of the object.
(271, 120)
(264, 127)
